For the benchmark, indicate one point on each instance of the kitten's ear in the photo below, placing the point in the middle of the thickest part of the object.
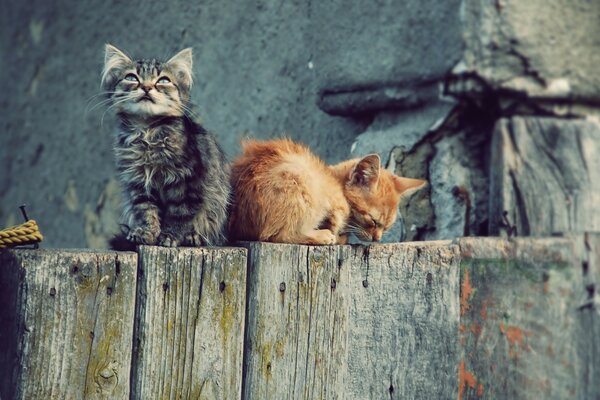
(181, 64)
(366, 172)
(114, 61)
(407, 184)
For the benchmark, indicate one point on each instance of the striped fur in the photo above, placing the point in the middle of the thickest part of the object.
(174, 176)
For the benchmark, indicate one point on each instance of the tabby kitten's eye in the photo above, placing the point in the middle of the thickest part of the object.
(131, 78)
(164, 79)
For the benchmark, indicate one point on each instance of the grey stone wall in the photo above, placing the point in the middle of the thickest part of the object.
(422, 83)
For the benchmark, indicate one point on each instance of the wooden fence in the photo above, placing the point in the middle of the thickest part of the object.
(474, 318)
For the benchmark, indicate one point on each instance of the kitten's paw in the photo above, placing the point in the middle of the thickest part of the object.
(193, 239)
(141, 235)
(321, 237)
(167, 240)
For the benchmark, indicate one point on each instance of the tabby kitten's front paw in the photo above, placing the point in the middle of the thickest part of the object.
(141, 235)
(167, 240)
(193, 239)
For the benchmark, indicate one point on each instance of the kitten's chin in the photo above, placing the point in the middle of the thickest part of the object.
(148, 109)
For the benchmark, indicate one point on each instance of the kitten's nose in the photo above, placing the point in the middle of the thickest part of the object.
(146, 87)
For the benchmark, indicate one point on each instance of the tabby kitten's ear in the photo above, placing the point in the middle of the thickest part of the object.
(181, 65)
(114, 62)
(407, 184)
(366, 172)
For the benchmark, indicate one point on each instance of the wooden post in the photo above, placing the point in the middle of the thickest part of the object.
(589, 320)
(403, 325)
(545, 173)
(519, 324)
(189, 323)
(351, 322)
(66, 324)
(297, 315)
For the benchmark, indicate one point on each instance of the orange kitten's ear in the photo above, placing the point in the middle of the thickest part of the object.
(366, 172)
(114, 61)
(181, 64)
(407, 184)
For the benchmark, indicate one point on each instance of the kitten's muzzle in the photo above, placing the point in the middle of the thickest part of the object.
(146, 97)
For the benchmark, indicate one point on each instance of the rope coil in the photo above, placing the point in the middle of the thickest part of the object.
(20, 234)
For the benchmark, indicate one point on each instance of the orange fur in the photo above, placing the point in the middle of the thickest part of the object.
(284, 193)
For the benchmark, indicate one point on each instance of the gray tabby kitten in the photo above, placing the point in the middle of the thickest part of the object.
(173, 173)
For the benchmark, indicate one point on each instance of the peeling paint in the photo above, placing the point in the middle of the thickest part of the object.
(465, 378)
(101, 220)
(36, 29)
(11, 220)
(465, 293)
(516, 339)
(476, 329)
(70, 198)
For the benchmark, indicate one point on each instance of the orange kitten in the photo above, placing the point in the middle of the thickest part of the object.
(284, 193)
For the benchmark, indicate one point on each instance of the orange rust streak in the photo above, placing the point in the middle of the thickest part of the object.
(479, 390)
(464, 378)
(514, 335)
(462, 328)
(465, 293)
(476, 329)
(483, 312)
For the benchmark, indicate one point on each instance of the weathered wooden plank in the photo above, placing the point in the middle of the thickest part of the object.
(519, 324)
(67, 324)
(545, 172)
(403, 321)
(296, 321)
(589, 320)
(361, 322)
(189, 323)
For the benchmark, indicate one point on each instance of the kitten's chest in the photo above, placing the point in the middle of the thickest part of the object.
(156, 157)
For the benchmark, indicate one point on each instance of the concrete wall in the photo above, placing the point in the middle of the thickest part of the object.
(420, 82)
(261, 68)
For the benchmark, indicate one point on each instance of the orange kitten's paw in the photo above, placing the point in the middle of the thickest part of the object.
(167, 240)
(342, 239)
(321, 237)
(141, 235)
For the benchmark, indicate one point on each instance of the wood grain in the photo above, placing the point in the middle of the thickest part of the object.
(519, 324)
(403, 326)
(589, 320)
(189, 323)
(351, 322)
(67, 324)
(297, 315)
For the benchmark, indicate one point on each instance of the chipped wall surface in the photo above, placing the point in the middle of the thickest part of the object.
(547, 49)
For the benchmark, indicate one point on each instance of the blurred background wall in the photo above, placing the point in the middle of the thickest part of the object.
(423, 83)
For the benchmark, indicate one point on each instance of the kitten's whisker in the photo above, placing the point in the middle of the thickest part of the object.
(192, 113)
(100, 94)
(104, 102)
(91, 108)
(116, 103)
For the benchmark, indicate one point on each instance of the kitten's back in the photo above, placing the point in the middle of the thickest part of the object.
(277, 185)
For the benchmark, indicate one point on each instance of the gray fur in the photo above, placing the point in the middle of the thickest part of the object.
(174, 176)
